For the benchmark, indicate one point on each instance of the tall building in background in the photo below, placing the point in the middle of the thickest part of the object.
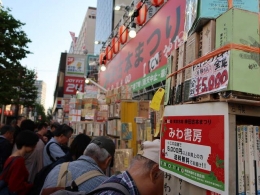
(41, 95)
(84, 43)
(107, 19)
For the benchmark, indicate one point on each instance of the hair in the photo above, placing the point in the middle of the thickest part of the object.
(147, 163)
(79, 144)
(55, 125)
(27, 124)
(26, 138)
(6, 128)
(20, 118)
(63, 130)
(41, 125)
(94, 151)
(13, 122)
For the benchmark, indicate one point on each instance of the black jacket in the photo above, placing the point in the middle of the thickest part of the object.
(5, 151)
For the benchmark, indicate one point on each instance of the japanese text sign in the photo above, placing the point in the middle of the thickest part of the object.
(72, 84)
(149, 50)
(75, 65)
(193, 147)
(200, 134)
(210, 76)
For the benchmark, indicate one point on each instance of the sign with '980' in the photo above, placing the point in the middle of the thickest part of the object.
(73, 84)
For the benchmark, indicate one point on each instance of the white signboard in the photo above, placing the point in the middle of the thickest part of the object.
(210, 76)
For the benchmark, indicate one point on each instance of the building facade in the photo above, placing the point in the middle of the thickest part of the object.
(84, 42)
(107, 19)
(41, 95)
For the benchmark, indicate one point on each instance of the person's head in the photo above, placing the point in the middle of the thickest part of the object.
(144, 168)
(63, 133)
(79, 145)
(42, 128)
(20, 119)
(102, 150)
(26, 141)
(54, 126)
(13, 123)
(8, 132)
(27, 124)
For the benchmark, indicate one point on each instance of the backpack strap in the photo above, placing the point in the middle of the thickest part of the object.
(86, 176)
(49, 152)
(118, 187)
(64, 175)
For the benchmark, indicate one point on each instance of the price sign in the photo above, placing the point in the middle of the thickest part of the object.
(210, 76)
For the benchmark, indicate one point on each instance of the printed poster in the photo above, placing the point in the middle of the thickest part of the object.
(75, 65)
(193, 149)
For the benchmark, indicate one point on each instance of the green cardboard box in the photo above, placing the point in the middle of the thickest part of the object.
(237, 26)
(244, 72)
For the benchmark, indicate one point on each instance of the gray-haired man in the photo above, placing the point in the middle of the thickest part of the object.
(97, 156)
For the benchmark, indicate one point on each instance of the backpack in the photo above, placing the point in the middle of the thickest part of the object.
(118, 187)
(3, 185)
(43, 173)
(64, 149)
(65, 175)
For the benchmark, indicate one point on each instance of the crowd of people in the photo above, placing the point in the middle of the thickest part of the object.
(36, 159)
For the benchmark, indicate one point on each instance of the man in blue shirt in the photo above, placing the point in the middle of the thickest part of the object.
(143, 176)
(56, 147)
(97, 156)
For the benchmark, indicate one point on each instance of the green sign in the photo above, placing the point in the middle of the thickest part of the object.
(150, 79)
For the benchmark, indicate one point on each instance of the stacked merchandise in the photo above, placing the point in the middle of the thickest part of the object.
(75, 110)
(211, 70)
(220, 60)
(248, 153)
(89, 109)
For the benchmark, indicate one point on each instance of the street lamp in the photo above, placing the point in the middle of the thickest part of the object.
(88, 80)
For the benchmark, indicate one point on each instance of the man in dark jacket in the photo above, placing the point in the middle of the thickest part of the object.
(6, 146)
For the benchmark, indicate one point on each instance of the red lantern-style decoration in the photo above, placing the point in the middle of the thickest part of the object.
(123, 34)
(157, 3)
(5, 112)
(109, 53)
(101, 58)
(141, 18)
(11, 113)
(115, 45)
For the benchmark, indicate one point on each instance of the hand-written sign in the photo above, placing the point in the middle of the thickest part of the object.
(144, 109)
(210, 76)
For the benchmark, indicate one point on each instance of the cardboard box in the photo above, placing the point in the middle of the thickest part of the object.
(208, 37)
(126, 96)
(192, 53)
(211, 9)
(237, 26)
(90, 103)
